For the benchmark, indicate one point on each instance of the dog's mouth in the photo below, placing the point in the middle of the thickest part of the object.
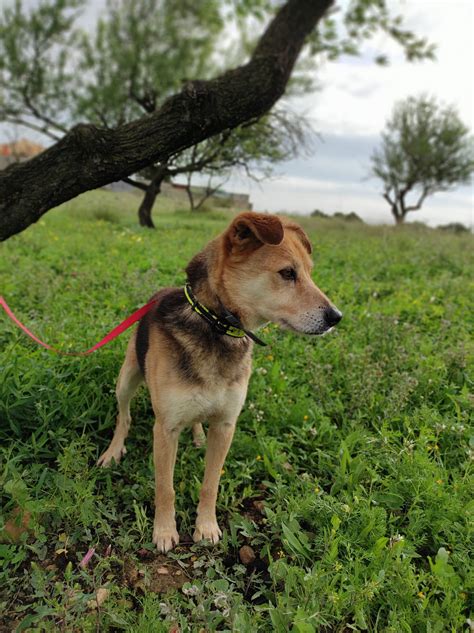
(316, 332)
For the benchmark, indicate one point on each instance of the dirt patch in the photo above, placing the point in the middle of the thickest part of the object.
(253, 508)
(155, 573)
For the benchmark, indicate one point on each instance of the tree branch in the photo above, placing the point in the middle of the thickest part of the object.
(89, 157)
(135, 183)
(209, 191)
(41, 117)
(421, 199)
(204, 161)
(32, 126)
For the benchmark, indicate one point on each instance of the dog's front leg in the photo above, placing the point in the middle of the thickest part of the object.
(165, 446)
(219, 439)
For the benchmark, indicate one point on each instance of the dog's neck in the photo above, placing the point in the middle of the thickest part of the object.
(206, 295)
(210, 292)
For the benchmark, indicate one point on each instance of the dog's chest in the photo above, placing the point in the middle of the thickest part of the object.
(187, 405)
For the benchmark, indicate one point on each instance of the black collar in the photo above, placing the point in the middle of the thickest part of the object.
(229, 324)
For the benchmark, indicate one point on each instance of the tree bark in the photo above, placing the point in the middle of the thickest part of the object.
(398, 212)
(399, 219)
(88, 157)
(153, 189)
(146, 206)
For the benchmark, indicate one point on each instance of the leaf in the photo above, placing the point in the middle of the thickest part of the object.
(294, 543)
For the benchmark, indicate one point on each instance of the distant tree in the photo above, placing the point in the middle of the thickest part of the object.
(425, 148)
(251, 149)
(42, 81)
(454, 227)
(317, 213)
(348, 217)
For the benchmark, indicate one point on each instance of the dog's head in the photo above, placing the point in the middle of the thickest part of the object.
(265, 275)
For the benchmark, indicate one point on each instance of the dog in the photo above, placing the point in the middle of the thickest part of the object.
(194, 347)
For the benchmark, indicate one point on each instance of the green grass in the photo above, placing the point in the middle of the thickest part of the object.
(358, 444)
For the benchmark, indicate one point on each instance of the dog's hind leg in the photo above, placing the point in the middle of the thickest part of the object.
(128, 381)
(199, 437)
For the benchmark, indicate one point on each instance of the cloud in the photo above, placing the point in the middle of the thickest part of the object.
(336, 178)
(357, 98)
(351, 108)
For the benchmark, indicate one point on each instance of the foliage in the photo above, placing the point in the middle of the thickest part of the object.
(426, 148)
(141, 53)
(127, 67)
(347, 217)
(343, 31)
(317, 213)
(252, 149)
(36, 74)
(455, 227)
(53, 75)
(358, 444)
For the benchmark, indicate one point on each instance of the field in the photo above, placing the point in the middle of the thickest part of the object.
(350, 475)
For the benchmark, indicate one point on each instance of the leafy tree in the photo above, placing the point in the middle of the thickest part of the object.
(128, 68)
(39, 69)
(425, 148)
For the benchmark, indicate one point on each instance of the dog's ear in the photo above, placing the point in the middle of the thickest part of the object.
(250, 230)
(304, 239)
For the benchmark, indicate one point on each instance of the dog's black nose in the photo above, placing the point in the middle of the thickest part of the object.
(332, 316)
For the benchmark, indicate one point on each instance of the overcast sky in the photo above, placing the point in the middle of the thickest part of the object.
(349, 111)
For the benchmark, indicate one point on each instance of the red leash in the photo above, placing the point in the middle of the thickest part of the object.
(133, 318)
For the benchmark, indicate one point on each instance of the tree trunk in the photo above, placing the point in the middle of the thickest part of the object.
(190, 197)
(398, 214)
(89, 157)
(146, 206)
(399, 219)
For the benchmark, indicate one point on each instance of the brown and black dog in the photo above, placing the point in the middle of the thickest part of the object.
(197, 367)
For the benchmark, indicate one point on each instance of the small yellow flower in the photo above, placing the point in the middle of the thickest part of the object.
(439, 481)
(317, 489)
(259, 458)
(421, 595)
(222, 471)
(305, 417)
(265, 330)
(463, 595)
(269, 357)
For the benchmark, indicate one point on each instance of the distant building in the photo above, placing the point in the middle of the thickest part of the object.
(24, 149)
(240, 201)
(226, 199)
(18, 151)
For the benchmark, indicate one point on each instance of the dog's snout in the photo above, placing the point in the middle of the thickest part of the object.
(332, 316)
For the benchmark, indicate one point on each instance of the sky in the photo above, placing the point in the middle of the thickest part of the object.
(349, 111)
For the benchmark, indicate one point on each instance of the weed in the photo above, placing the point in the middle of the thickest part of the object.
(350, 476)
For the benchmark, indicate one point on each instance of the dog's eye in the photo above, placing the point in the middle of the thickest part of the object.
(288, 273)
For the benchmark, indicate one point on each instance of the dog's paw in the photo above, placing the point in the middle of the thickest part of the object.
(207, 530)
(165, 538)
(113, 453)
